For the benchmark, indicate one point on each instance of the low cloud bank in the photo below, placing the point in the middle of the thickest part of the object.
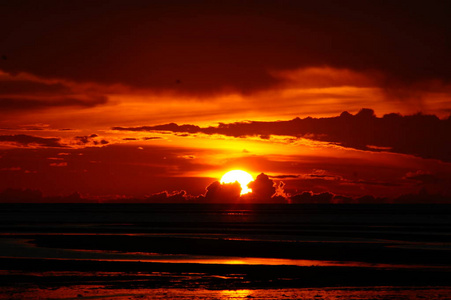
(264, 189)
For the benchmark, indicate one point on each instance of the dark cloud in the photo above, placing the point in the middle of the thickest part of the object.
(283, 176)
(28, 140)
(264, 190)
(377, 183)
(338, 199)
(219, 193)
(262, 187)
(36, 196)
(422, 177)
(173, 127)
(14, 87)
(91, 139)
(10, 104)
(209, 47)
(82, 140)
(309, 197)
(223, 193)
(36, 127)
(24, 92)
(167, 197)
(422, 135)
(370, 199)
(423, 197)
(322, 176)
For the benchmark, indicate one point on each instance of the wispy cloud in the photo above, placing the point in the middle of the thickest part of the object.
(30, 141)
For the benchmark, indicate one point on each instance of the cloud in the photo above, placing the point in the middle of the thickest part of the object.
(322, 176)
(223, 193)
(22, 103)
(36, 196)
(200, 47)
(422, 177)
(220, 193)
(25, 92)
(374, 182)
(29, 141)
(284, 176)
(309, 197)
(90, 139)
(421, 135)
(262, 188)
(167, 197)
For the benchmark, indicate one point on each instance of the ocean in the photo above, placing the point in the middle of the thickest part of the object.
(225, 251)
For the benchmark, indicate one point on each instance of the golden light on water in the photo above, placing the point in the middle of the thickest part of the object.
(235, 294)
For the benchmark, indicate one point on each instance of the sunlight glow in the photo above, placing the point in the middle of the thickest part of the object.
(235, 294)
(242, 177)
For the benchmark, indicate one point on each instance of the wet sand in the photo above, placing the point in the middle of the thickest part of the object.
(351, 293)
(75, 279)
(241, 255)
(226, 276)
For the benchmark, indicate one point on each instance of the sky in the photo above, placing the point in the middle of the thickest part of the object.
(332, 101)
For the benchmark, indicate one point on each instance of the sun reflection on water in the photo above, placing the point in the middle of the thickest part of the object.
(235, 294)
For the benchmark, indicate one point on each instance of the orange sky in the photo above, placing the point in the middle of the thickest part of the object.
(83, 85)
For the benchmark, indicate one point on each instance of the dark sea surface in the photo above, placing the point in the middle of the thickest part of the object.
(200, 251)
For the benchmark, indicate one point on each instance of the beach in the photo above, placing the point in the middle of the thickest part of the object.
(223, 252)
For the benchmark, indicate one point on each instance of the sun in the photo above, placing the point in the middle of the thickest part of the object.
(242, 177)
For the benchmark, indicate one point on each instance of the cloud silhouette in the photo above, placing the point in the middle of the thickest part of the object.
(309, 197)
(91, 139)
(166, 197)
(262, 188)
(218, 193)
(422, 177)
(28, 140)
(223, 193)
(421, 135)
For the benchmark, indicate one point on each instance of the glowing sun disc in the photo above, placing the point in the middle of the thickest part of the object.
(242, 177)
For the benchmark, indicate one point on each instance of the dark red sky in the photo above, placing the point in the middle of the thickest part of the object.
(88, 88)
